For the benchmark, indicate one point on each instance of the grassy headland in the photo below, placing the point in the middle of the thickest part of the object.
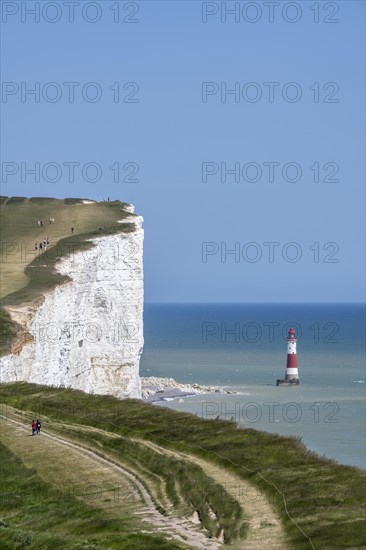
(321, 502)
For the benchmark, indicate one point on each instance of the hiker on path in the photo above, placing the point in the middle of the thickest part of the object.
(34, 427)
(38, 426)
(36, 246)
(72, 230)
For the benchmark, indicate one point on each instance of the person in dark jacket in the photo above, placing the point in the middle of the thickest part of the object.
(38, 426)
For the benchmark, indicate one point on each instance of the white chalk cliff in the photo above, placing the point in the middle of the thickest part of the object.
(87, 333)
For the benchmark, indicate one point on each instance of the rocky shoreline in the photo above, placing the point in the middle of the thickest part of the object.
(165, 389)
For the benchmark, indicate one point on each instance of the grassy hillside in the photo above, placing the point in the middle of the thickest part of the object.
(38, 515)
(25, 272)
(321, 503)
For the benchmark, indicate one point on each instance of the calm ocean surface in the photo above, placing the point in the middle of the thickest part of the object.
(243, 347)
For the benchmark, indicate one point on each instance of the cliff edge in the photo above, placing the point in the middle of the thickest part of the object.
(86, 333)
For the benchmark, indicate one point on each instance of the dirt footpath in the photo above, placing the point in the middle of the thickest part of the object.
(265, 527)
(98, 482)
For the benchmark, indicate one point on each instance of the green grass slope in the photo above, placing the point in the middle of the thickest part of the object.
(322, 503)
(36, 515)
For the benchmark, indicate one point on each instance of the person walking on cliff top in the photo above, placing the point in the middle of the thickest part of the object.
(34, 427)
(38, 426)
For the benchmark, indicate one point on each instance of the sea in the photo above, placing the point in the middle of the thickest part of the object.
(242, 348)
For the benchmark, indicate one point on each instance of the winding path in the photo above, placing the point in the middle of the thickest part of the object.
(265, 527)
(76, 464)
(97, 481)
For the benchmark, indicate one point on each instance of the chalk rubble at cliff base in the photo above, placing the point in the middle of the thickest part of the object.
(159, 389)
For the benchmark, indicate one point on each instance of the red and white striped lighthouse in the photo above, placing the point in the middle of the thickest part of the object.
(291, 367)
(292, 373)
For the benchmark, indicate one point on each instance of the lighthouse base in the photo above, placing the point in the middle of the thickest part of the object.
(288, 382)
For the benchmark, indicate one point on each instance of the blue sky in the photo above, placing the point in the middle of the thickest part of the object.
(170, 132)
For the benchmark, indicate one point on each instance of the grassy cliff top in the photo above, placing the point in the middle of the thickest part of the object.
(26, 272)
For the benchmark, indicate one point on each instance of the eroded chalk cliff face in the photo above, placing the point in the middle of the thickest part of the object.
(87, 334)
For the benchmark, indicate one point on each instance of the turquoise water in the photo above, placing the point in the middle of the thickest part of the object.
(243, 347)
